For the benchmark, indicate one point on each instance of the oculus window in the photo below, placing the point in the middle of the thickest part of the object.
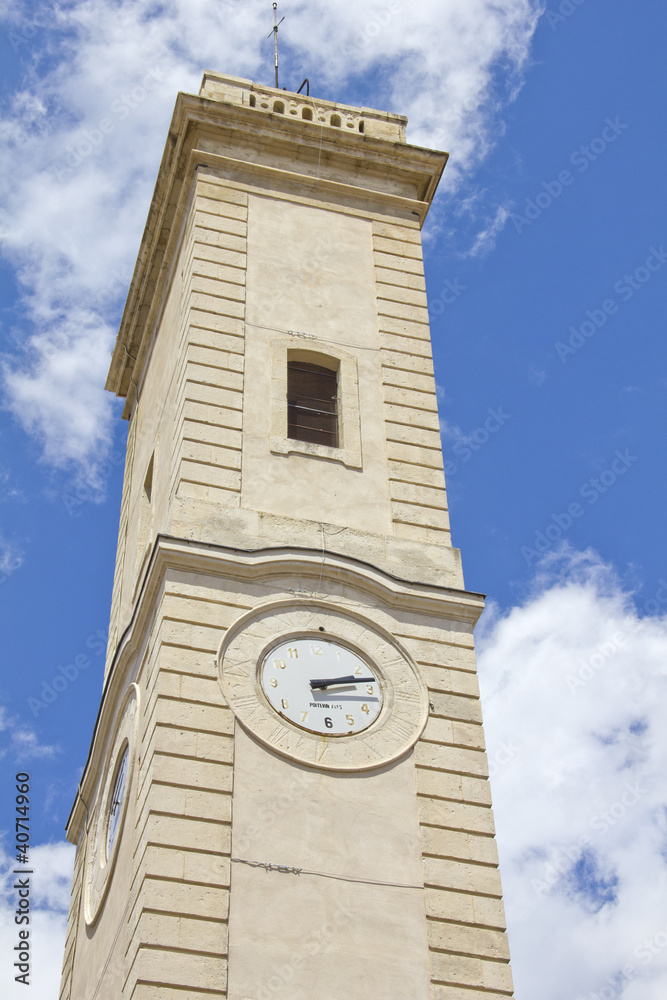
(312, 403)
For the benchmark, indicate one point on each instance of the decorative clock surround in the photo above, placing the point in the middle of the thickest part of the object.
(102, 849)
(244, 677)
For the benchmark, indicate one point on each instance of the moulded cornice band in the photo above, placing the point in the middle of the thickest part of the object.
(240, 564)
(418, 167)
(138, 351)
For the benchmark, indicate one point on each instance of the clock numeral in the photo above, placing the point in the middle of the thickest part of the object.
(349, 719)
(315, 650)
(304, 716)
(279, 664)
(328, 723)
(358, 670)
(273, 681)
(369, 689)
(284, 702)
(294, 653)
(365, 708)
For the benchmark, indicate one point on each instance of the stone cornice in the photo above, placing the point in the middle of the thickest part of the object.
(258, 149)
(197, 558)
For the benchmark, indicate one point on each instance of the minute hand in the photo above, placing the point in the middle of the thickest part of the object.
(331, 681)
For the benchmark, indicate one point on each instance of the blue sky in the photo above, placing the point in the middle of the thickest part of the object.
(571, 411)
(546, 265)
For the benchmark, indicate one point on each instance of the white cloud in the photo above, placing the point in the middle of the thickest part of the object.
(453, 432)
(485, 240)
(53, 864)
(11, 557)
(57, 395)
(574, 686)
(50, 884)
(19, 742)
(75, 193)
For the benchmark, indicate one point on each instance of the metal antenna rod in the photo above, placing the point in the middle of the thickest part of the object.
(274, 32)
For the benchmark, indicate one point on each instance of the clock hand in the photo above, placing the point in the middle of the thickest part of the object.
(330, 682)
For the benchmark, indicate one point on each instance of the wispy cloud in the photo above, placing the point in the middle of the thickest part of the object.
(84, 130)
(50, 880)
(20, 743)
(11, 557)
(575, 681)
(485, 240)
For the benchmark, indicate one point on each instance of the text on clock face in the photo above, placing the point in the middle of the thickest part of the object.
(321, 686)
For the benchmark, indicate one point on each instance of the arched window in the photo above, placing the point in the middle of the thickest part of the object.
(312, 403)
(307, 114)
(279, 107)
(335, 121)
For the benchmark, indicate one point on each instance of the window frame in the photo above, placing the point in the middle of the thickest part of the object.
(302, 347)
(322, 408)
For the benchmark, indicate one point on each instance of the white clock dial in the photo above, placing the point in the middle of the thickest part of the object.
(116, 802)
(321, 686)
(105, 835)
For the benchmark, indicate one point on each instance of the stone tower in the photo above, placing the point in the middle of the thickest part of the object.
(286, 794)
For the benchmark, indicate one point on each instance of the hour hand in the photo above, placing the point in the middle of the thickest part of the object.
(326, 682)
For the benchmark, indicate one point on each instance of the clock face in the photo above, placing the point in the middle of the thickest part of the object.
(116, 802)
(321, 686)
(116, 770)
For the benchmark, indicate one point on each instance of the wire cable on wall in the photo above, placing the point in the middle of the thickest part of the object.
(289, 870)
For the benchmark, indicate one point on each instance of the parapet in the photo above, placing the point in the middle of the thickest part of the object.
(322, 114)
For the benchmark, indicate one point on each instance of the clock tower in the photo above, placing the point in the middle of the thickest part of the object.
(286, 794)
